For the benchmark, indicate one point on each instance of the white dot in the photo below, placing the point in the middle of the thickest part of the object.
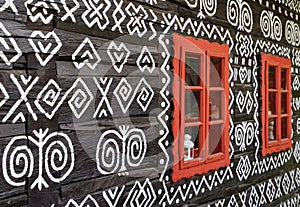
(167, 178)
(184, 186)
(168, 67)
(167, 93)
(172, 189)
(167, 41)
(203, 190)
(159, 191)
(163, 104)
(163, 80)
(167, 143)
(164, 204)
(161, 132)
(162, 161)
(166, 117)
(177, 200)
(163, 54)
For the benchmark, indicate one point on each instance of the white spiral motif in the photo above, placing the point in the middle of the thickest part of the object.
(233, 12)
(289, 32)
(118, 151)
(239, 135)
(144, 95)
(277, 28)
(108, 153)
(246, 20)
(59, 154)
(136, 148)
(192, 4)
(210, 6)
(292, 33)
(20, 161)
(249, 133)
(296, 34)
(244, 134)
(265, 24)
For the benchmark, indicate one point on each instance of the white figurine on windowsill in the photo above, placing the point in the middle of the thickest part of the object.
(271, 127)
(188, 147)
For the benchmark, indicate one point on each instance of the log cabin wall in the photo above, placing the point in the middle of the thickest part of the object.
(86, 103)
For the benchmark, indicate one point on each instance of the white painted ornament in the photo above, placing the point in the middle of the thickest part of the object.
(50, 146)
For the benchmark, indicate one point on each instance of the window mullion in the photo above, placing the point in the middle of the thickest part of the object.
(278, 104)
(206, 74)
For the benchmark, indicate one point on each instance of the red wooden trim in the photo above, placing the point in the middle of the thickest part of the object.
(186, 169)
(269, 147)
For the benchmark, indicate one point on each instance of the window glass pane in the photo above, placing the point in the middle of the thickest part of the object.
(192, 63)
(283, 103)
(215, 72)
(272, 104)
(284, 128)
(215, 138)
(191, 143)
(283, 79)
(272, 129)
(272, 79)
(192, 100)
(215, 105)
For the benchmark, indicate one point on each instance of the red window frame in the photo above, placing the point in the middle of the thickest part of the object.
(280, 65)
(205, 50)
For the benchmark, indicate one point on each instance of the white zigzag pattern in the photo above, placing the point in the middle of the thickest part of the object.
(164, 96)
(272, 48)
(261, 193)
(195, 188)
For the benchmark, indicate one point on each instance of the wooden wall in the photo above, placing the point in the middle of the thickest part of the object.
(86, 102)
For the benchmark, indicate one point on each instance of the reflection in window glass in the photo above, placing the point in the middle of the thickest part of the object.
(215, 139)
(283, 79)
(215, 105)
(215, 72)
(192, 69)
(272, 77)
(192, 99)
(284, 128)
(272, 103)
(283, 103)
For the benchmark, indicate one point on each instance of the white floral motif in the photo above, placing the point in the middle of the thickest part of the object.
(208, 7)
(54, 144)
(239, 14)
(271, 25)
(112, 157)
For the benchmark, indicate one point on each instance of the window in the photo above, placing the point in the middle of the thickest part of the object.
(201, 116)
(276, 104)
